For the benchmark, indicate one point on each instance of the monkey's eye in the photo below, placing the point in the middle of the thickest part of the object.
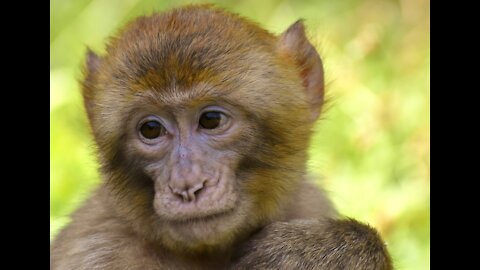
(152, 129)
(211, 120)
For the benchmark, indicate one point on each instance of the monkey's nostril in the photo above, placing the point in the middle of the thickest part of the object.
(181, 194)
(187, 194)
(194, 191)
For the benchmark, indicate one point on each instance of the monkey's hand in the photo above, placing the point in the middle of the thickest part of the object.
(313, 244)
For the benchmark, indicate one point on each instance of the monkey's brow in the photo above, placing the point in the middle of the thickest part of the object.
(175, 100)
(189, 96)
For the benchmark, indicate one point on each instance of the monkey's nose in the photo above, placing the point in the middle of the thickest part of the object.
(187, 193)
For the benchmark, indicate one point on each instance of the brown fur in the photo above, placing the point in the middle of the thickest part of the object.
(172, 64)
(314, 244)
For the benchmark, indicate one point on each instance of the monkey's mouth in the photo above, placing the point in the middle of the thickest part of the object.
(202, 219)
(204, 232)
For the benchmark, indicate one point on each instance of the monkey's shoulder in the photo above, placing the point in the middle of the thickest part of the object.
(309, 202)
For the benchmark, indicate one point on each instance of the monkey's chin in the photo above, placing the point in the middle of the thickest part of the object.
(204, 234)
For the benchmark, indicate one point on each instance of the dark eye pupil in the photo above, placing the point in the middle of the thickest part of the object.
(210, 120)
(152, 130)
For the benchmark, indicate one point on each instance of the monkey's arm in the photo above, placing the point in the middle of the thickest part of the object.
(312, 236)
(314, 244)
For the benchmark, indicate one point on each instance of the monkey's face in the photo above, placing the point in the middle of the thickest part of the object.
(191, 161)
(191, 149)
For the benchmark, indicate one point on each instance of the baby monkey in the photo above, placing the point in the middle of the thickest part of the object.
(202, 121)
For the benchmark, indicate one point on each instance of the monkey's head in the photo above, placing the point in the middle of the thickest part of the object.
(202, 121)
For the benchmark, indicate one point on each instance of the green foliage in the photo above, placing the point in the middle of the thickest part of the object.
(372, 147)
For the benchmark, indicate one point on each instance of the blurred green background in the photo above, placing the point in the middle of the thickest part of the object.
(372, 147)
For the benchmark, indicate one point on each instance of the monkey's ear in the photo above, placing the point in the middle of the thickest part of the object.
(92, 65)
(294, 43)
(93, 61)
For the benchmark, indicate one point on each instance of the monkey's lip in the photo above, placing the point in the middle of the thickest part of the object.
(204, 218)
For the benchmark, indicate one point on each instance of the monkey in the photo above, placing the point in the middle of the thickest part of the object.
(202, 120)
